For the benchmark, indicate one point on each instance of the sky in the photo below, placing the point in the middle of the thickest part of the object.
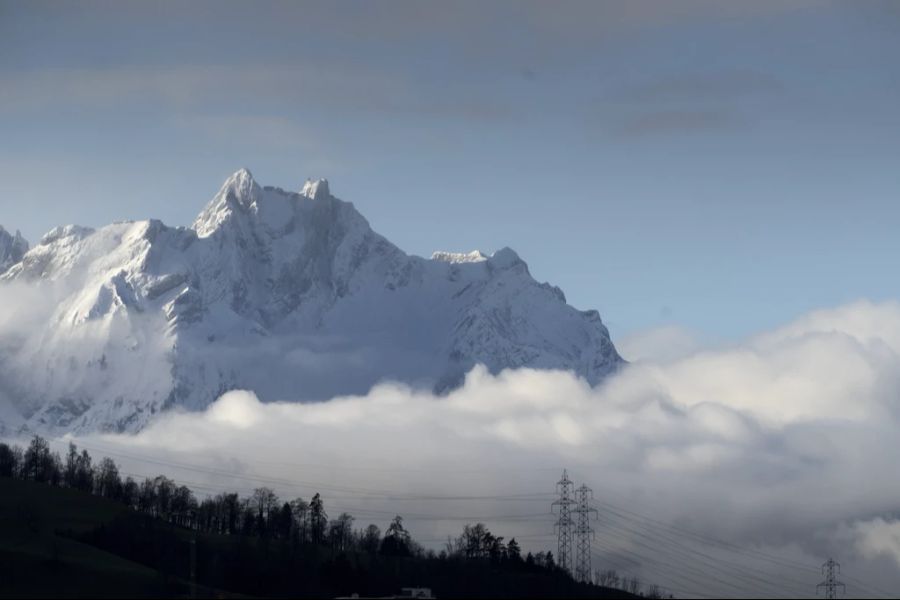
(719, 179)
(719, 167)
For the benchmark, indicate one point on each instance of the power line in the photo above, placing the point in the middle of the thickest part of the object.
(356, 492)
(688, 559)
(649, 526)
(682, 546)
(367, 494)
(759, 555)
(830, 569)
(377, 469)
(660, 570)
(527, 517)
(683, 565)
(583, 533)
(564, 524)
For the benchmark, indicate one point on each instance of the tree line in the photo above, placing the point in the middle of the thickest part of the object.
(302, 527)
(261, 514)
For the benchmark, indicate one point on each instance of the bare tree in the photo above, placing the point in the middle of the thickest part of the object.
(10, 460)
(40, 464)
(513, 551)
(371, 539)
(106, 479)
(608, 578)
(632, 585)
(265, 504)
(340, 532)
(476, 541)
(300, 509)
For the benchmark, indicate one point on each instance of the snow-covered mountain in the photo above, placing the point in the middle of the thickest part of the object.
(12, 249)
(289, 294)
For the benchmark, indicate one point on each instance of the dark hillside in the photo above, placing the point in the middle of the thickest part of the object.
(39, 557)
(73, 529)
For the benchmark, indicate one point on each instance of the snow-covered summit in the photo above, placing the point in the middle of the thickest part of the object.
(238, 195)
(292, 295)
(459, 257)
(315, 189)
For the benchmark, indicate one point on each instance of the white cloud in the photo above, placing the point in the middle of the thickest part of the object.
(878, 537)
(784, 443)
(660, 344)
(24, 307)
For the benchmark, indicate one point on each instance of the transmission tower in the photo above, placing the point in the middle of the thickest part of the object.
(831, 584)
(584, 533)
(565, 489)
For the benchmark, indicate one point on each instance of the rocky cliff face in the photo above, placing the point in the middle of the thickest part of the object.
(12, 249)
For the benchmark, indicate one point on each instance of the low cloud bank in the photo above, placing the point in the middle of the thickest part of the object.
(783, 447)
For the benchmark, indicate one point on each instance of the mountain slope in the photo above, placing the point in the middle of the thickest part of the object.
(289, 294)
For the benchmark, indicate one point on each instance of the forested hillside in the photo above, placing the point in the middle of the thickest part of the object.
(70, 524)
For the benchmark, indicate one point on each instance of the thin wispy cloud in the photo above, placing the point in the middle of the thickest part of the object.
(296, 87)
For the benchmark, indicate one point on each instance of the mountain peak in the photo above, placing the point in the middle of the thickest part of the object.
(12, 248)
(17, 236)
(505, 258)
(315, 189)
(239, 192)
(241, 186)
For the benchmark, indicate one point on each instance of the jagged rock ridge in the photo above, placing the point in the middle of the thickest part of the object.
(12, 249)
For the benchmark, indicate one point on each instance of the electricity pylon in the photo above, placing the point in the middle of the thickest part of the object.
(564, 524)
(584, 533)
(831, 584)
